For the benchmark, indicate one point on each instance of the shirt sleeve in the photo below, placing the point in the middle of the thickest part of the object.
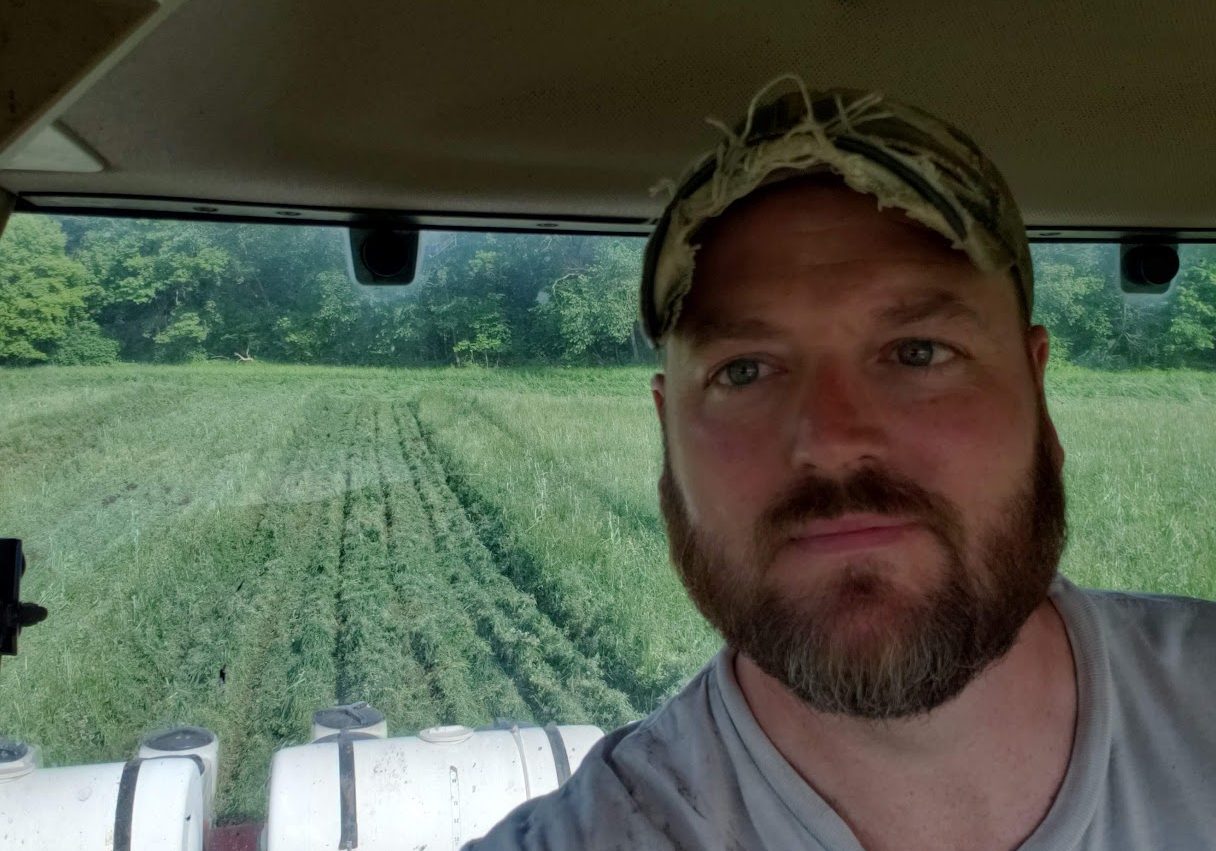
(594, 809)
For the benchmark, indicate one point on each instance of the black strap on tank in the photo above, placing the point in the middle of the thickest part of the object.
(560, 760)
(125, 806)
(346, 791)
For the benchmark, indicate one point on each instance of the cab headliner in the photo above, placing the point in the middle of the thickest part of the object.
(1101, 114)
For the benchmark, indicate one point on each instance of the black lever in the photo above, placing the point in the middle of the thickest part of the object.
(14, 614)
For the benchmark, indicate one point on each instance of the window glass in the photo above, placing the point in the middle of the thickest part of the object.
(1132, 391)
(250, 489)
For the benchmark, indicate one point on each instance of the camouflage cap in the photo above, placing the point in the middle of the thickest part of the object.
(902, 155)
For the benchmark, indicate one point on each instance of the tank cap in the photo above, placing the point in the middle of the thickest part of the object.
(446, 735)
(180, 739)
(352, 716)
(16, 759)
(11, 751)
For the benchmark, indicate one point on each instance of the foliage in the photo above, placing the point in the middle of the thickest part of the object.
(1190, 336)
(590, 314)
(171, 292)
(484, 331)
(1078, 306)
(85, 344)
(1092, 324)
(156, 284)
(42, 290)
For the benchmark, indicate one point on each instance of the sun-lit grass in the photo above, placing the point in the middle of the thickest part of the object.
(1139, 472)
(237, 545)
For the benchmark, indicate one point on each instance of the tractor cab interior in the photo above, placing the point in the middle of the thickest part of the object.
(325, 437)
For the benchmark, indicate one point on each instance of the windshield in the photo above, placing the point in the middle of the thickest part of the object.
(250, 489)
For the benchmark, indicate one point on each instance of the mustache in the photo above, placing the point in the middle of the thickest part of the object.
(869, 490)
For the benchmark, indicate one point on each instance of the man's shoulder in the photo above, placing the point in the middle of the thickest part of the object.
(625, 792)
(1147, 693)
(1154, 618)
(1154, 643)
(575, 815)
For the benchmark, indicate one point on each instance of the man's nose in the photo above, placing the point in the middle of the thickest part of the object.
(836, 420)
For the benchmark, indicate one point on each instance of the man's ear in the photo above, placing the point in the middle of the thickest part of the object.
(658, 389)
(1038, 349)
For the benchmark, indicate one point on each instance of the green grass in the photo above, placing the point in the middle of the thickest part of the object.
(238, 545)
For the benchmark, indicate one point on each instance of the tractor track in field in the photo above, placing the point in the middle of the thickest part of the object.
(523, 571)
(555, 678)
(373, 641)
(382, 478)
(439, 697)
(342, 649)
(272, 676)
(459, 582)
(242, 692)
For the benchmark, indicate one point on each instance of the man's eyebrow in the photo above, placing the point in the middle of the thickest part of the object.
(702, 332)
(940, 304)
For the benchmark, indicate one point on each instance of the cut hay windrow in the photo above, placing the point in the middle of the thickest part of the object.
(554, 678)
(583, 551)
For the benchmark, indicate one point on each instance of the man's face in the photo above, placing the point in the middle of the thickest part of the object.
(861, 484)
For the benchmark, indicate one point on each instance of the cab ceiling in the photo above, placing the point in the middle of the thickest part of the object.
(1100, 113)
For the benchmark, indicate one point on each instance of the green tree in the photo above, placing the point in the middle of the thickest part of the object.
(183, 339)
(1080, 306)
(42, 291)
(1190, 336)
(174, 291)
(84, 343)
(470, 327)
(156, 284)
(285, 283)
(1078, 297)
(591, 314)
(518, 297)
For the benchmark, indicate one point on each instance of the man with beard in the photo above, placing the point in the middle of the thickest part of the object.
(862, 490)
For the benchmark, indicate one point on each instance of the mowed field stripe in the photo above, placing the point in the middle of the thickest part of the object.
(459, 668)
(563, 544)
(372, 653)
(556, 679)
(281, 666)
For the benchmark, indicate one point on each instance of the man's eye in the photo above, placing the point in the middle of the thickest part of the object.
(922, 353)
(738, 373)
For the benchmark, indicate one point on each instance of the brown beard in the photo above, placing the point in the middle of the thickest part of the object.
(920, 653)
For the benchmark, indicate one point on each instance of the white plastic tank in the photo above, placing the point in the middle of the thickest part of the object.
(142, 805)
(189, 742)
(438, 790)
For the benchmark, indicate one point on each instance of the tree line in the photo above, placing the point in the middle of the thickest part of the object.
(77, 290)
(1078, 298)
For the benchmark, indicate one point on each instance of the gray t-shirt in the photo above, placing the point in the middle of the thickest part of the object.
(700, 773)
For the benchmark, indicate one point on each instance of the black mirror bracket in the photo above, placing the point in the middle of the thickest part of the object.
(1147, 266)
(383, 255)
(14, 614)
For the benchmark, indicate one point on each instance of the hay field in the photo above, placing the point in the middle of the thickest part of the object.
(236, 546)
